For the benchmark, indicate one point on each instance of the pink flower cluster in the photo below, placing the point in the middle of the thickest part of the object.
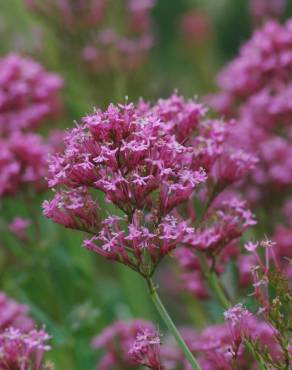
(126, 344)
(147, 161)
(23, 351)
(28, 94)
(132, 156)
(256, 88)
(217, 347)
(217, 237)
(223, 346)
(145, 349)
(21, 346)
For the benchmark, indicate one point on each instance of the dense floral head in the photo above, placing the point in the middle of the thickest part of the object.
(28, 94)
(130, 157)
(147, 160)
(23, 351)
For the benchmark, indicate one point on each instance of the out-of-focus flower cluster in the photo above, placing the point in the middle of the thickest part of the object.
(14, 314)
(196, 28)
(222, 346)
(23, 351)
(115, 34)
(128, 344)
(261, 10)
(218, 237)
(21, 346)
(29, 95)
(256, 88)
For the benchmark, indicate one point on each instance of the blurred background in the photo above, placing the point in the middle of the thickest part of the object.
(114, 50)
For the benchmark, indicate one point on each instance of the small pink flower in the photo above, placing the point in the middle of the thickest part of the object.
(251, 247)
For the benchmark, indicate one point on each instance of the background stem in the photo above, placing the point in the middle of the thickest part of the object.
(171, 326)
(214, 283)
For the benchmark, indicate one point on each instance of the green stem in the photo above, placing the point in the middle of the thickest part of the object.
(171, 326)
(214, 283)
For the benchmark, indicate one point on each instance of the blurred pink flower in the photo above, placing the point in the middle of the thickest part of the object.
(14, 314)
(196, 27)
(28, 94)
(19, 226)
(261, 10)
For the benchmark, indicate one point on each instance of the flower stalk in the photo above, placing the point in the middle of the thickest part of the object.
(171, 326)
(214, 283)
